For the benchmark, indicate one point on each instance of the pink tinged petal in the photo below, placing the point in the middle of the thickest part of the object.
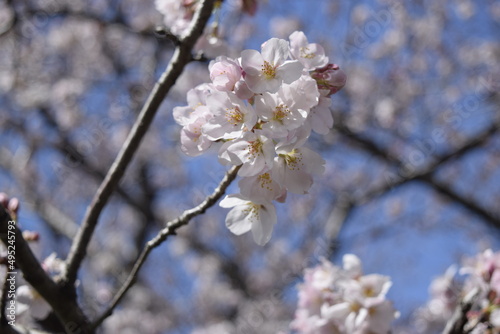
(231, 201)
(338, 312)
(189, 143)
(181, 115)
(240, 150)
(381, 317)
(226, 157)
(242, 91)
(297, 40)
(298, 182)
(237, 220)
(224, 73)
(251, 62)
(260, 188)
(303, 93)
(290, 71)
(260, 84)
(321, 116)
(311, 162)
(252, 168)
(275, 51)
(352, 265)
(262, 228)
(310, 55)
(282, 197)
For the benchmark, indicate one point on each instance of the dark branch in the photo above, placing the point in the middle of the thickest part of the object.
(63, 305)
(426, 174)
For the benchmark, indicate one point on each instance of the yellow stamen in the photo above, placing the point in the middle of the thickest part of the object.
(268, 70)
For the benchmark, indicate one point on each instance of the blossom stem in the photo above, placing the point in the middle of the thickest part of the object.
(170, 229)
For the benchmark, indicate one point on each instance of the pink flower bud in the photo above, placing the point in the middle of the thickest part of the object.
(330, 78)
(31, 235)
(13, 205)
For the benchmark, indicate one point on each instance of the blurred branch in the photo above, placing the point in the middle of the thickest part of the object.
(182, 56)
(170, 229)
(54, 218)
(65, 146)
(15, 18)
(425, 174)
(447, 191)
(63, 304)
(117, 20)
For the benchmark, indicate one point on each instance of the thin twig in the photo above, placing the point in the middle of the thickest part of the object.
(181, 57)
(170, 229)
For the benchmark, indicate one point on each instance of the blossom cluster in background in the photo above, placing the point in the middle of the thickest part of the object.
(343, 300)
(483, 278)
(260, 109)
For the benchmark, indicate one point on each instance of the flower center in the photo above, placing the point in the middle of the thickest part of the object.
(265, 181)
(234, 116)
(268, 70)
(280, 112)
(255, 148)
(304, 53)
(293, 160)
(252, 209)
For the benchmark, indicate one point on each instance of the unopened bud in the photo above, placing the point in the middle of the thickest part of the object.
(31, 236)
(330, 78)
(13, 205)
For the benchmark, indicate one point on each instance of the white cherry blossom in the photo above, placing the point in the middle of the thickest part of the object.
(293, 169)
(224, 73)
(311, 55)
(193, 141)
(260, 187)
(266, 71)
(246, 215)
(254, 150)
(231, 116)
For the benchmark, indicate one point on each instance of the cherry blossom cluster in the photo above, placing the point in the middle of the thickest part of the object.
(444, 297)
(260, 109)
(177, 14)
(482, 275)
(343, 300)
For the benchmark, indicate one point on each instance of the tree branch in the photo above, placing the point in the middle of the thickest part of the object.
(426, 173)
(181, 57)
(170, 229)
(63, 305)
